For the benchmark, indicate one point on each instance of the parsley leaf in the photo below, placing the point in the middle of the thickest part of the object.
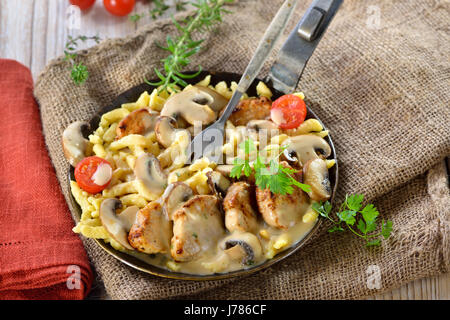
(373, 243)
(347, 216)
(236, 171)
(386, 229)
(273, 176)
(350, 213)
(369, 213)
(335, 228)
(361, 226)
(354, 202)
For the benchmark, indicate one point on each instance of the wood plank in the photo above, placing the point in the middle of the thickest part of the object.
(39, 36)
(16, 20)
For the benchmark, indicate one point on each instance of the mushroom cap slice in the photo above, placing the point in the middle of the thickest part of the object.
(139, 121)
(262, 125)
(218, 183)
(192, 104)
(165, 128)
(315, 173)
(151, 231)
(112, 223)
(249, 248)
(148, 170)
(128, 217)
(304, 148)
(75, 145)
(175, 196)
(218, 101)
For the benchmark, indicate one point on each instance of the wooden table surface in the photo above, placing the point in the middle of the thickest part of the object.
(35, 31)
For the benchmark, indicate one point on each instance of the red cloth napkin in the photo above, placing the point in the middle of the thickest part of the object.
(40, 256)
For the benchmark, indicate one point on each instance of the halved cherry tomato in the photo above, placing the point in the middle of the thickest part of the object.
(82, 4)
(84, 172)
(119, 7)
(288, 111)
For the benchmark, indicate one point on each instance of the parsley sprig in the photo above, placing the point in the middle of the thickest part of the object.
(272, 175)
(78, 72)
(208, 14)
(352, 212)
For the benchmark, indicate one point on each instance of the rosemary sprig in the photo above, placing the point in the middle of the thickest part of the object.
(79, 72)
(208, 14)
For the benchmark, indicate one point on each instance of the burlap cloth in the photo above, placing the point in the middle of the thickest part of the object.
(383, 92)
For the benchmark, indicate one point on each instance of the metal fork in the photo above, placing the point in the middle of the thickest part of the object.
(208, 142)
(284, 74)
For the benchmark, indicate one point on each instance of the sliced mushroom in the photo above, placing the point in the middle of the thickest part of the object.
(192, 105)
(197, 227)
(262, 128)
(239, 213)
(262, 125)
(165, 129)
(243, 247)
(303, 148)
(128, 217)
(139, 121)
(175, 196)
(75, 146)
(315, 173)
(115, 226)
(218, 183)
(148, 170)
(152, 231)
(219, 101)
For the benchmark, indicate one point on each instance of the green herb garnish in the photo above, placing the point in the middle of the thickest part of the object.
(272, 175)
(158, 9)
(352, 212)
(181, 48)
(79, 72)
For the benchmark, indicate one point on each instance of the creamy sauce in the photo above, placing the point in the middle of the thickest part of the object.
(214, 260)
(277, 116)
(102, 175)
(74, 144)
(208, 247)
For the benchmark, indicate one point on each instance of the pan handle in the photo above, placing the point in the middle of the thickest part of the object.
(300, 45)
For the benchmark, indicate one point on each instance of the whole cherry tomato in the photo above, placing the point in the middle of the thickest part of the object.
(288, 111)
(91, 170)
(82, 4)
(119, 7)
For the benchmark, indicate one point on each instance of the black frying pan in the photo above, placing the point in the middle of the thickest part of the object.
(283, 78)
(132, 95)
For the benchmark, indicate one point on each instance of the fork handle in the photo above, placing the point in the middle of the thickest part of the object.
(263, 50)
